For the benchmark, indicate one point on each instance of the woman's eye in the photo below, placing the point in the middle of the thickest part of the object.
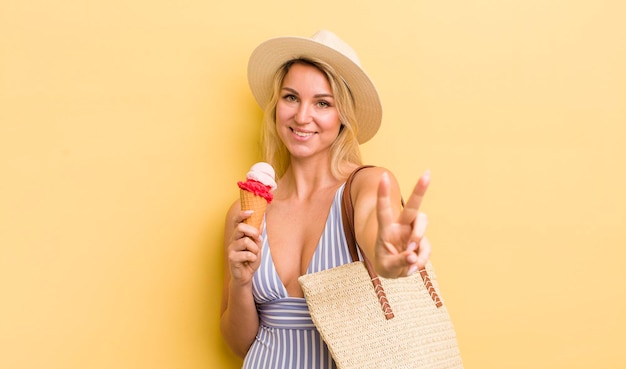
(323, 104)
(290, 98)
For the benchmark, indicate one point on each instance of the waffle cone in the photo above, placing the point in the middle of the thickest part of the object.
(250, 201)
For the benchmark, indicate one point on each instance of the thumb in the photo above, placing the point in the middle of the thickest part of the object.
(398, 264)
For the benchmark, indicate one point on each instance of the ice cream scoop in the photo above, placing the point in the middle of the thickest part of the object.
(264, 173)
(256, 191)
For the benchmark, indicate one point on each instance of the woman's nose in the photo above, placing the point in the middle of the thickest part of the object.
(303, 114)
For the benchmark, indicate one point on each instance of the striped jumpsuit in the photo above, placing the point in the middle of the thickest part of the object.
(287, 337)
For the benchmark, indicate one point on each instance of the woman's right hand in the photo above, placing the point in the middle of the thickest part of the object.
(239, 322)
(244, 249)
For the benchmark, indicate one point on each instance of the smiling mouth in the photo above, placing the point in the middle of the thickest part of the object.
(302, 134)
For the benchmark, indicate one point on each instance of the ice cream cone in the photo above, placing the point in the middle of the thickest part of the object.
(250, 201)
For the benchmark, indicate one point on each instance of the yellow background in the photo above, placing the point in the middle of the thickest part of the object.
(124, 126)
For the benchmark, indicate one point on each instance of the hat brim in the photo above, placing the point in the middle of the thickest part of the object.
(272, 54)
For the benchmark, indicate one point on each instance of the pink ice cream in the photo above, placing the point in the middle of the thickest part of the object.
(260, 181)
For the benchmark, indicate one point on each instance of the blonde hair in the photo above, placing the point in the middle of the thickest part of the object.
(346, 146)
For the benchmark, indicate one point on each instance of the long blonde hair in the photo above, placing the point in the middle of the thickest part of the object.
(344, 149)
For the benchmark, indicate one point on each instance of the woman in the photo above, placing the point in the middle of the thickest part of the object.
(319, 106)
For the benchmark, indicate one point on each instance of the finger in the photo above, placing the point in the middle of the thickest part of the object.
(423, 253)
(250, 245)
(411, 208)
(243, 263)
(410, 255)
(245, 250)
(243, 215)
(384, 211)
(420, 227)
(243, 244)
(397, 265)
(243, 256)
(246, 231)
(243, 229)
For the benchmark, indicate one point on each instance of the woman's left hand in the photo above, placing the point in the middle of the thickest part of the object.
(401, 246)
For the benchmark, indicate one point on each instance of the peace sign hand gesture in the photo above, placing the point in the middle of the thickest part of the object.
(401, 247)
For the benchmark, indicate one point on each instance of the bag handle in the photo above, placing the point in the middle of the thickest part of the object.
(347, 214)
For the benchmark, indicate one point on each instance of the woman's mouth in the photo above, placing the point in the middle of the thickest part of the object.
(303, 134)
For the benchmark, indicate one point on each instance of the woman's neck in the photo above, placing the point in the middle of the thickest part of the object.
(303, 180)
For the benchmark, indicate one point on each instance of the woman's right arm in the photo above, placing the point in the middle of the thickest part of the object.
(239, 320)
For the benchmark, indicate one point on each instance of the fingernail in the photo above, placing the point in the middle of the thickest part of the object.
(412, 270)
(412, 246)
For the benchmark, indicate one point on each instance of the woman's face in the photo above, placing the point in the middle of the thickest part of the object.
(307, 119)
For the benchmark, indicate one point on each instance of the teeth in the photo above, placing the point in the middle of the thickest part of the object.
(303, 134)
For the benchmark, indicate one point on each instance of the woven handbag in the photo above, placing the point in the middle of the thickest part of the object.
(373, 322)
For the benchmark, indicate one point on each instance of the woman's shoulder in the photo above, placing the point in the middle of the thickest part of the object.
(367, 179)
(370, 173)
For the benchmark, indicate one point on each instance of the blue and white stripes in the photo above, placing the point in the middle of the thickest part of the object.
(285, 313)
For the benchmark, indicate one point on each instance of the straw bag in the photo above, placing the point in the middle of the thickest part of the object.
(373, 322)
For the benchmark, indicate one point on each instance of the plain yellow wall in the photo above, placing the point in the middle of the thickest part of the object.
(124, 126)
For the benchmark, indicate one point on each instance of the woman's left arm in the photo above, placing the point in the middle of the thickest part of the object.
(390, 235)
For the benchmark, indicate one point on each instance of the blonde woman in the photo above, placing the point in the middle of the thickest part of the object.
(319, 106)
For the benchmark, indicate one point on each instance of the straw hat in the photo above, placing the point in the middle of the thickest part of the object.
(272, 54)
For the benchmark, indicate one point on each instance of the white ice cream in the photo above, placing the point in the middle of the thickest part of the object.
(264, 173)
